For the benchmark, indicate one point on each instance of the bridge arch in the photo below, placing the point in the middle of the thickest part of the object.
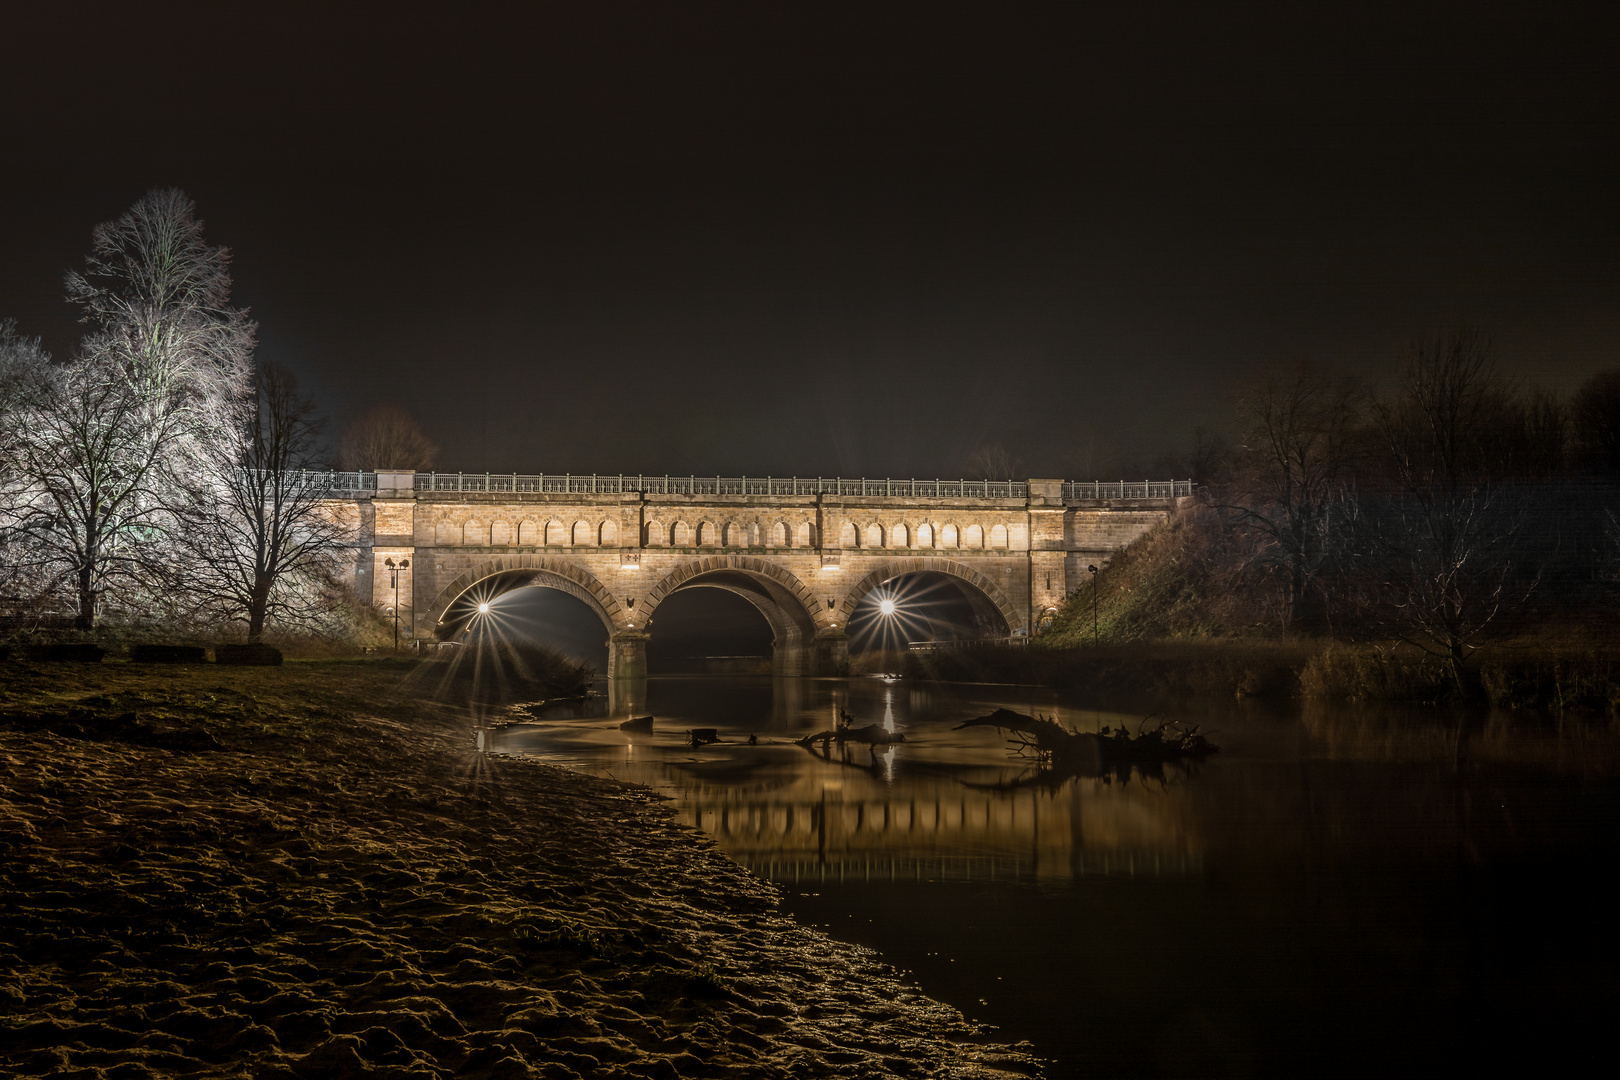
(786, 603)
(510, 572)
(748, 564)
(953, 568)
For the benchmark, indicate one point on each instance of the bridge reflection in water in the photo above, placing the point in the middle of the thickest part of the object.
(946, 831)
(943, 806)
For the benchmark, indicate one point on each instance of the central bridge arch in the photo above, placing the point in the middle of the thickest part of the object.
(776, 593)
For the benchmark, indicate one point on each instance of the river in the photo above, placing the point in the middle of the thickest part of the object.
(1340, 890)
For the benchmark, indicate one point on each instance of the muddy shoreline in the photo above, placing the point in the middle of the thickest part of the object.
(313, 872)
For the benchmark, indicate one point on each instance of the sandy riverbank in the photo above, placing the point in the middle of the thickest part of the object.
(311, 871)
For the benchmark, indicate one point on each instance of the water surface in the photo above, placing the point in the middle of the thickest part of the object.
(1339, 890)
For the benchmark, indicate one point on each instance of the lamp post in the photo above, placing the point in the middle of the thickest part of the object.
(1093, 570)
(393, 570)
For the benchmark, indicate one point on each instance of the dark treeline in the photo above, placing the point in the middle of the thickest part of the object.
(1448, 512)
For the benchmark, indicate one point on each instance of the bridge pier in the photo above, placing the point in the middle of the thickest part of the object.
(787, 659)
(627, 655)
(829, 652)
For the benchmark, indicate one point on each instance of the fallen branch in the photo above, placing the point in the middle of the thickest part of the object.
(871, 735)
(1049, 740)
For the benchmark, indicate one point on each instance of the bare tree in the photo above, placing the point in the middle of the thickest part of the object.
(109, 444)
(156, 298)
(1295, 450)
(91, 495)
(1211, 458)
(1438, 428)
(386, 437)
(264, 544)
(1596, 409)
(1447, 567)
(992, 461)
(1444, 545)
(26, 380)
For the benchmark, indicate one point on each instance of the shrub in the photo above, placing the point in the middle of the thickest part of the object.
(168, 654)
(1370, 674)
(252, 653)
(81, 652)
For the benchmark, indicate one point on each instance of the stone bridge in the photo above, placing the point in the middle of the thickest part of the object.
(803, 552)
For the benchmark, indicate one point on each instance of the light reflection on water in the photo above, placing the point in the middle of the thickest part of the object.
(1340, 891)
(943, 805)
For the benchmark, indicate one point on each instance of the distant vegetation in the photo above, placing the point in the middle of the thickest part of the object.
(1456, 537)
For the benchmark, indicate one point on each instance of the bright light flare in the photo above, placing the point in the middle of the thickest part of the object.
(489, 629)
(905, 609)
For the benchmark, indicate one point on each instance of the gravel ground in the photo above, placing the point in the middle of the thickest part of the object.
(311, 871)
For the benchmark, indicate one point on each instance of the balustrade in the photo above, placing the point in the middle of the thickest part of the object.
(351, 484)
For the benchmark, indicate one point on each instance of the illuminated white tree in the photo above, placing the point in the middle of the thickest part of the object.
(156, 298)
(89, 490)
(26, 379)
(107, 449)
(263, 546)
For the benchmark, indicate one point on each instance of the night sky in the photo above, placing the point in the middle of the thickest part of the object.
(817, 239)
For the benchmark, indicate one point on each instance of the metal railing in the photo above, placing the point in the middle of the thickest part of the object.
(612, 484)
(1080, 491)
(342, 484)
(353, 484)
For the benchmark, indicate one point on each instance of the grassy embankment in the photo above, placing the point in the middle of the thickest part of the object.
(1176, 613)
(311, 871)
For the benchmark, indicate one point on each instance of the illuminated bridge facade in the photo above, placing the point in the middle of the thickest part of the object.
(803, 552)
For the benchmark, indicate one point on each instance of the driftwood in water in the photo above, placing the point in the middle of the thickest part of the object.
(875, 761)
(638, 724)
(1084, 750)
(871, 735)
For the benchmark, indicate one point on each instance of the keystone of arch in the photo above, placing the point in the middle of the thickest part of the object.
(550, 571)
(921, 564)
